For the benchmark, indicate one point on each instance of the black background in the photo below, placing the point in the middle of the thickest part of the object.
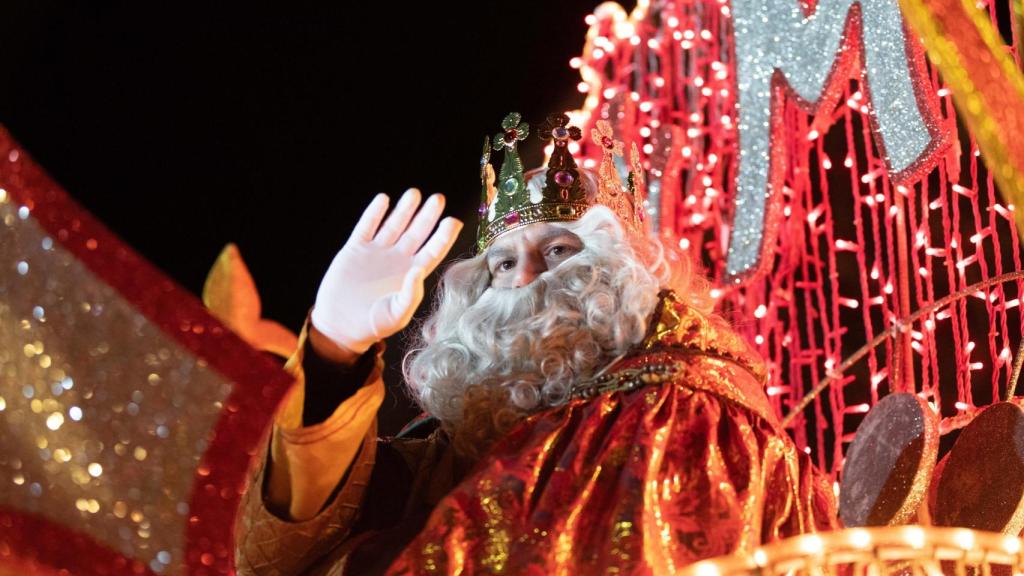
(187, 126)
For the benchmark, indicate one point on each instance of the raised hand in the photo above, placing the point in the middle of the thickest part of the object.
(375, 283)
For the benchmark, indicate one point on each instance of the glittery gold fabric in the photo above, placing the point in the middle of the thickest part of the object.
(93, 397)
(634, 481)
(129, 415)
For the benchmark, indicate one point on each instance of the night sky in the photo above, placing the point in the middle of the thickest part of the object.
(187, 126)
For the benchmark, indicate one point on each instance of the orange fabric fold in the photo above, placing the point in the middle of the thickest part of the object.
(307, 463)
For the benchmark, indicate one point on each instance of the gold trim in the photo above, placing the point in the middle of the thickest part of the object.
(531, 214)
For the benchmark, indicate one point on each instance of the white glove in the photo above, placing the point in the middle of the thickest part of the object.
(375, 283)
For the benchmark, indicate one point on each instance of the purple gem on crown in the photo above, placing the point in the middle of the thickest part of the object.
(512, 218)
(563, 178)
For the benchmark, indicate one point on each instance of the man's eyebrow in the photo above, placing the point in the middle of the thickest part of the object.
(494, 253)
(556, 232)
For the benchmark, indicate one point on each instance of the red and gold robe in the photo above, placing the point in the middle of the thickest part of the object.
(671, 456)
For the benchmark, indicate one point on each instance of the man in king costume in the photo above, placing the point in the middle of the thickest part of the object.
(586, 411)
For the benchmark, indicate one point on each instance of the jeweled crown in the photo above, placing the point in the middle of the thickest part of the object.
(561, 191)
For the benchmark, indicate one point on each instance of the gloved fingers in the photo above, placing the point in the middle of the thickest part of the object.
(422, 224)
(404, 303)
(399, 218)
(371, 218)
(439, 244)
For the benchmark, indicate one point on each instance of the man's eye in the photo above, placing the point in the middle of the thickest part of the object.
(506, 265)
(559, 250)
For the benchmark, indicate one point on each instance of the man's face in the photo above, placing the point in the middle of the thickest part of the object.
(516, 258)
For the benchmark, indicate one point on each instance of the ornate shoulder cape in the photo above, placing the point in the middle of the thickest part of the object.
(682, 342)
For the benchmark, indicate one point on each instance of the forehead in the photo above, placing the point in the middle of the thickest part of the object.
(531, 234)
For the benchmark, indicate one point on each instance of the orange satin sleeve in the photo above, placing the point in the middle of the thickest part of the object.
(307, 463)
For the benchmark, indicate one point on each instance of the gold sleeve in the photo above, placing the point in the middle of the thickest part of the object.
(285, 515)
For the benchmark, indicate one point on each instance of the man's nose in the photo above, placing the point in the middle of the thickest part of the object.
(529, 269)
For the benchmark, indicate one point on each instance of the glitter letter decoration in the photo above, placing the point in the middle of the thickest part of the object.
(779, 51)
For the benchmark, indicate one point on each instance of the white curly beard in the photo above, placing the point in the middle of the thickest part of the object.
(488, 357)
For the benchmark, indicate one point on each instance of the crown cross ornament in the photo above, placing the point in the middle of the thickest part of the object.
(563, 176)
(609, 184)
(513, 131)
(561, 191)
(626, 201)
